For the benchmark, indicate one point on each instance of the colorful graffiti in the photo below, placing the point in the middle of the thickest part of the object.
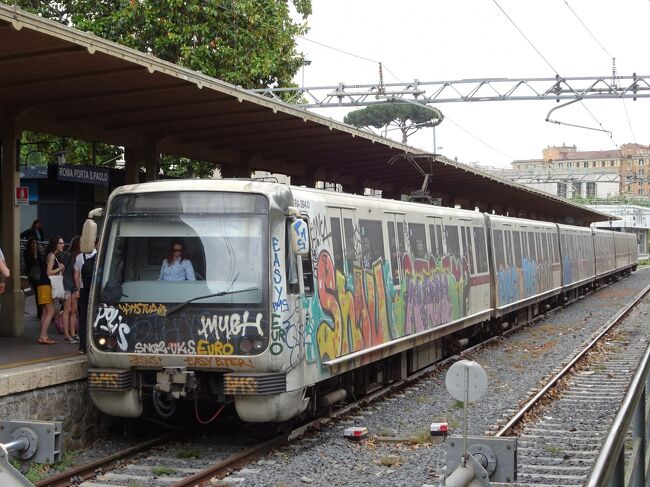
(359, 308)
(516, 283)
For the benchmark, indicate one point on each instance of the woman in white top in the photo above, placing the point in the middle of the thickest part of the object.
(176, 267)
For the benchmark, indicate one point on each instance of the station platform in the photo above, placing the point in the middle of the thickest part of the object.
(25, 350)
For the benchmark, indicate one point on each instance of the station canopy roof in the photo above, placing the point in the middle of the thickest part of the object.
(65, 82)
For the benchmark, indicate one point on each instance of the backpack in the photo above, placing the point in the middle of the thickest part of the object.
(87, 270)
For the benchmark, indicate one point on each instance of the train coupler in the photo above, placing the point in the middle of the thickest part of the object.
(176, 382)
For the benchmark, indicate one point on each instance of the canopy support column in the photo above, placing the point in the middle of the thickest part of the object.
(12, 302)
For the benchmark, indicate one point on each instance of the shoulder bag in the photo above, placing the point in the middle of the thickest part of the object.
(56, 282)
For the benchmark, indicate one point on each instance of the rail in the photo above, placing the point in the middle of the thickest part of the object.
(610, 468)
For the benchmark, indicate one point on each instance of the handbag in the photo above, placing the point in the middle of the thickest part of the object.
(57, 287)
(58, 291)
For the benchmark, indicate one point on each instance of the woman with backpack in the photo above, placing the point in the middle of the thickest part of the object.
(84, 267)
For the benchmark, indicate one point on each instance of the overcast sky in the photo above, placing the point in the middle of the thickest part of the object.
(455, 39)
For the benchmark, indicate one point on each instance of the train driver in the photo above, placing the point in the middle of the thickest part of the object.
(176, 267)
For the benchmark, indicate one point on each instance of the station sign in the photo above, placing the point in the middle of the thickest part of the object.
(83, 174)
(22, 196)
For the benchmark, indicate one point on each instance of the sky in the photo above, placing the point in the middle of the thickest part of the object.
(438, 40)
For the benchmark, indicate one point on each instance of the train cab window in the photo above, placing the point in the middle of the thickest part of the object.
(480, 250)
(372, 242)
(337, 242)
(392, 247)
(499, 254)
(516, 237)
(417, 240)
(453, 244)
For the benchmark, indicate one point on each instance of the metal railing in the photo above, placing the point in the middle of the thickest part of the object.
(611, 468)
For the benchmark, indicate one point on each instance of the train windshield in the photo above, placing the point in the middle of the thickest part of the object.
(203, 247)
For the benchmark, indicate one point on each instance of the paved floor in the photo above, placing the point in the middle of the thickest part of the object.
(25, 350)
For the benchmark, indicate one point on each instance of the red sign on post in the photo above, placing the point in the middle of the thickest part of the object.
(22, 196)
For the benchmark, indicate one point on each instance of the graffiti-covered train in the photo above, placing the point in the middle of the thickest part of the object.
(287, 299)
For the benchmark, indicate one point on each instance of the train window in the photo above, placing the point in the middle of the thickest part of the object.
(417, 240)
(392, 247)
(516, 236)
(481, 250)
(499, 256)
(467, 248)
(453, 244)
(372, 242)
(434, 242)
(539, 254)
(307, 269)
(400, 237)
(532, 252)
(508, 242)
(348, 230)
(439, 237)
(337, 242)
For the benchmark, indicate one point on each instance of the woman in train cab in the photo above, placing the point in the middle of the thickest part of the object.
(176, 267)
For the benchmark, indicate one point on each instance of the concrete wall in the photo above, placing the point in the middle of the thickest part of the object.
(54, 391)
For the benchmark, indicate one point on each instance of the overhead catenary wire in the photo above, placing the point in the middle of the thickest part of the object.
(600, 44)
(576, 94)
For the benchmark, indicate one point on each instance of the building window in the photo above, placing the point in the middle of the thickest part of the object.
(577, 190)
(569, 164)
(640, 190)
(591, 189)
(585, 164)
(640, 162)
(611, 163)
(561, 190)
(602, 164)
(560, 164)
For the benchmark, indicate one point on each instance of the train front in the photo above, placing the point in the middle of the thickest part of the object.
(180, 305)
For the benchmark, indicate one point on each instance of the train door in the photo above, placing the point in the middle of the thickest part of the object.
(396, 244)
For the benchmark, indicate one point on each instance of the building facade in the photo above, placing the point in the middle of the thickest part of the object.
(569, 173)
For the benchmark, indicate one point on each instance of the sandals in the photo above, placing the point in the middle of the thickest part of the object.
(46, 341)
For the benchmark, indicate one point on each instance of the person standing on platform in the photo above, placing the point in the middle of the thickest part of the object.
(33, 264)
(35, 231)
(52, 268)
(70, 303)
(84, 268)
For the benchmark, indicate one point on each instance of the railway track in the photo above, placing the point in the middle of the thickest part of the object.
(562, 428)
(171, 463)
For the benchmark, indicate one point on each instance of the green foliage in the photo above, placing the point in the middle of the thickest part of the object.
(40, 471)
(244, 42)
(40, 149)
(190, 453)
(158, 471)
(408, 118)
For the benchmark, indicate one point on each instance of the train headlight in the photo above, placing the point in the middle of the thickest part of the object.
(246, 345)
(106, 343)
(258, 343)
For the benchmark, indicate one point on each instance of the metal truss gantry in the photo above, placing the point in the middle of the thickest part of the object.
(465, 90)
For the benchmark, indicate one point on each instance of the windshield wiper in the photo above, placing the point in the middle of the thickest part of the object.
(220, 293)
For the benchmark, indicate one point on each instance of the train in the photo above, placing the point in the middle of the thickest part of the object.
(300, 298)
